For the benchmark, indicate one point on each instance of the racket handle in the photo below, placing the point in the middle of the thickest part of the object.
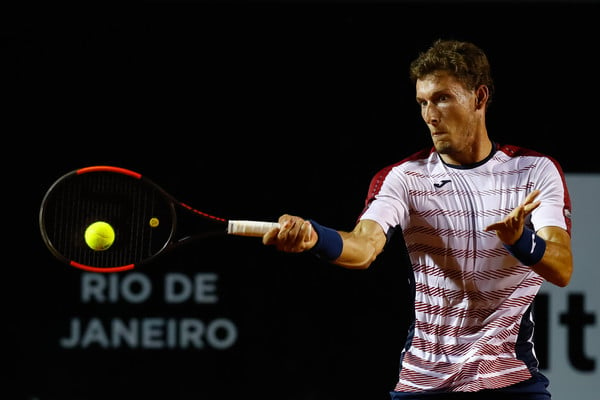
(250, 228)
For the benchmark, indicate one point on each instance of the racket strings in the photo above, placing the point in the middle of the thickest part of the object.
(121, 200)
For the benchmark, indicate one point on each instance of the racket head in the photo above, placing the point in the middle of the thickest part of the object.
(141, 213)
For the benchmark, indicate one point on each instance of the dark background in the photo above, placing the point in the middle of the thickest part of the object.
(250, 110)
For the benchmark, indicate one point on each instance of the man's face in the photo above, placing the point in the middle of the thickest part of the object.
(450, 112)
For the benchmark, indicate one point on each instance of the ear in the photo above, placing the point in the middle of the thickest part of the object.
(481, 95)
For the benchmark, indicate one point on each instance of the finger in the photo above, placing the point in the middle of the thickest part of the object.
(519, 215)
(284, 218)
(530, 207)
(269, 237)
(492, 227)
(307, 230)
(309, 236)
(290, 235)
(531, 197)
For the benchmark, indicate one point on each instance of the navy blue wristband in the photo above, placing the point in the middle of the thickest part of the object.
(329, 243)
(529, 249)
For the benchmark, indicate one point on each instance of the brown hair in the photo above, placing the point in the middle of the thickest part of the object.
(464, 60)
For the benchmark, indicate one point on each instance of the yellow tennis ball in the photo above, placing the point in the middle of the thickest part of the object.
(99, 235)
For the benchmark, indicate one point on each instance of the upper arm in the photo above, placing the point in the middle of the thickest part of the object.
(556, 265)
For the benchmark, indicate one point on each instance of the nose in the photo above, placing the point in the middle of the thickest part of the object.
(430, 114)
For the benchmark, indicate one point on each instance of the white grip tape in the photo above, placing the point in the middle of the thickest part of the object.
(250, 228)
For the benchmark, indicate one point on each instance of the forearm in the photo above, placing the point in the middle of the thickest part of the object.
(359, 248)
(356, 254)
(362, 245)
(355, 250)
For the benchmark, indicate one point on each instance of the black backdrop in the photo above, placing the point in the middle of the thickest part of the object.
(249, 110)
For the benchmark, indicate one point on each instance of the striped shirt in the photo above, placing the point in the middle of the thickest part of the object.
(472, 327)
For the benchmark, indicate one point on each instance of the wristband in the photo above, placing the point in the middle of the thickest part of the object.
(529, 248)
(329, 242)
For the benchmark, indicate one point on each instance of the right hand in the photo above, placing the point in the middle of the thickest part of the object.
(294, 235)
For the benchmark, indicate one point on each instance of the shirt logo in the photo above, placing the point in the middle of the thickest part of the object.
(442, 183)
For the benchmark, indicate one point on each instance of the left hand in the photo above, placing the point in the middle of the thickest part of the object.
(510, 228)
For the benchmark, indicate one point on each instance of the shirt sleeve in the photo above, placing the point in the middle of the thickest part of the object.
(555, 207)
(387, 205)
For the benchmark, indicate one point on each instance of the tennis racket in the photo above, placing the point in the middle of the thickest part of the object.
(146, 221)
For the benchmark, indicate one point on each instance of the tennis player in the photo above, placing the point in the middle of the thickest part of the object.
(485, 224)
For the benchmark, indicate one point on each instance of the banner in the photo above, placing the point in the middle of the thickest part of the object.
(567, 333)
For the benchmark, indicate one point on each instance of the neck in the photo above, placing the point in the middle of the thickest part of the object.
(476, 152)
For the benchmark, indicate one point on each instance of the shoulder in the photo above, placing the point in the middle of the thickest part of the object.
(512, 151)
(411, 165)
(518, 151)
(419, 157)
